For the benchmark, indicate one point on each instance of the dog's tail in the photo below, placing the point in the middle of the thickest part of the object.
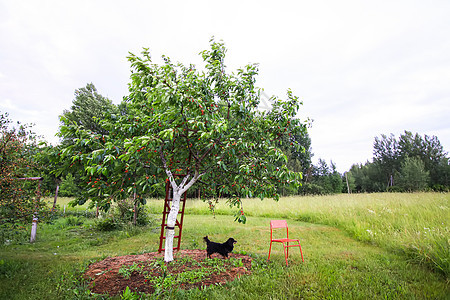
(206, 239)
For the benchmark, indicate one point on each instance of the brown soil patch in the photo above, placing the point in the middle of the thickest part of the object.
(105, 278)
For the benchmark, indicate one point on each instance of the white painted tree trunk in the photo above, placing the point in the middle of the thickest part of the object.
(33, 229)
(170, 230)
(178, 190)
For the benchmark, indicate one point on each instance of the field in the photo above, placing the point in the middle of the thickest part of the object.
(380, 246)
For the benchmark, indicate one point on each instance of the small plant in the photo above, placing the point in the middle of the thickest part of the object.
(129, 295)
(237, 262)
(193, 276)
(126, 271)
(161, 279)
(187, 261)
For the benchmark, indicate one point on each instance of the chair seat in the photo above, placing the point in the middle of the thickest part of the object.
(285, 240)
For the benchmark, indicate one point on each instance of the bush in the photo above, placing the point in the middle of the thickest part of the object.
(74, 221)
(122, 216)
(440, 188)
(125, 213)
(13, 234)
(68, 187)
(107, 224)
(311, 189)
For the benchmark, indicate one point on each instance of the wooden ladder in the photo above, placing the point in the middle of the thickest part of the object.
(179, 224)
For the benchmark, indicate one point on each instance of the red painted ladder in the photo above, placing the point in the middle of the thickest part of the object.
(179, 224)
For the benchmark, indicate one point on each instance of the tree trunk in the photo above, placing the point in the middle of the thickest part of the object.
(56, 196)
(348, 186)
(170, 229)
(177, 190)
(135, 210)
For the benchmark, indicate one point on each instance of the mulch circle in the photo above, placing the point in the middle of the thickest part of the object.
(104, 275)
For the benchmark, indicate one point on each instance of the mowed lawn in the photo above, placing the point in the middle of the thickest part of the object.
(355, 247)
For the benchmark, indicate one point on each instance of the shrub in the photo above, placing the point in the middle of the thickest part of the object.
(13, 234)
(107, 224)
(311, 189)
(74, 221)
(125, 213)
(440, 188)
(68, 187)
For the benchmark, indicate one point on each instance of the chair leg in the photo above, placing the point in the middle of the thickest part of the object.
(287, 248)
(286, 253)
(270, 248)
(301, 252)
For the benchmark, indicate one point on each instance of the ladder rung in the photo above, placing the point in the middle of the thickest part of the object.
(175, 237)
(174, 248)
(167, 212)
(177, 224)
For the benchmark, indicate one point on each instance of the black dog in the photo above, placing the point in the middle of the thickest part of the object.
(223, 249)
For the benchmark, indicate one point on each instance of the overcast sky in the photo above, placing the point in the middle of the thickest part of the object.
(362, 68)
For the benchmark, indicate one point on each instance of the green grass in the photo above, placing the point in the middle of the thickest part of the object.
(417, 225)
(342, 260)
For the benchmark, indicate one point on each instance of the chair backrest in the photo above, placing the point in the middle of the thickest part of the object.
(278, 224)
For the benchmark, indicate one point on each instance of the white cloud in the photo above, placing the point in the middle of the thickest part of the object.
(7, 104)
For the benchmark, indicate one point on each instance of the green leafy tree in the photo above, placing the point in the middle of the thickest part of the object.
(356, 172)
(368, 178)
(386, 156)
(350, 184)
(88, 109)
(427, 148)
(47, 161)
(188, 126)
(390, 153)
(68, 186)
(443, 170)
(18, 199)
(326, 179)
(298, 160)
(413, 176)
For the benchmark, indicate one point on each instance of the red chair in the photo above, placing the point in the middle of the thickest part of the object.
(277, 224)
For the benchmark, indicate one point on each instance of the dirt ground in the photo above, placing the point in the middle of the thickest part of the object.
(104, 276)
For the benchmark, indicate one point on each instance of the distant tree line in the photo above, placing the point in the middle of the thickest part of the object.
(408, 163)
